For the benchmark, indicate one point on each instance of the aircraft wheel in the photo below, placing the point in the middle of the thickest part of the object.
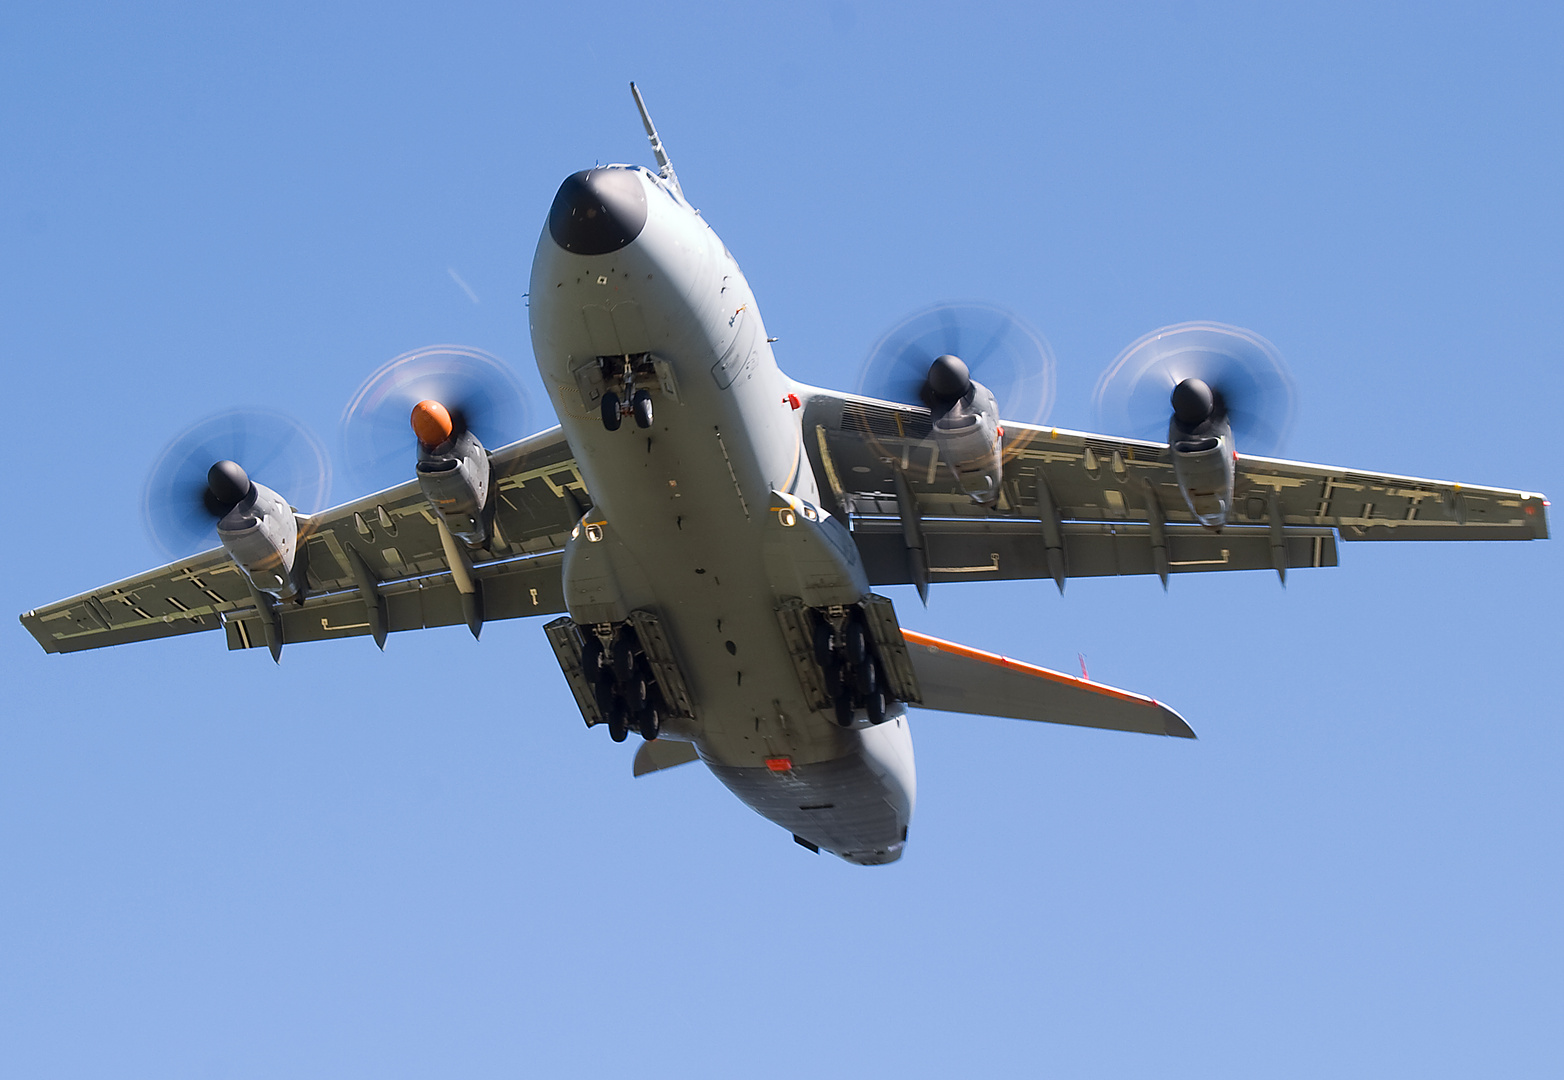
(592, 656)
(611, 416)
(835, 676)
(623, 659)
(618, 719)
(649, 721)
(824, 641)
(844, 710)
(641, 405)
(868, 678)
(857, 643)
(877, 705)
(603, 692)
(639, 692)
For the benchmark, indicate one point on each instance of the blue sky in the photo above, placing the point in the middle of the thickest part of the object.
(419, 863)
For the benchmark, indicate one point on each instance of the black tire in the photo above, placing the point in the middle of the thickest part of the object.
(603, 693)
(592, 656)
(825, 642)
(844, 710)
(835, 677)
(649, 722)
(876, 705)
(857, 643)
(641, 406)
(867, 678)
(618, 717)
(623, 658)
(638, 692)
(611, 415)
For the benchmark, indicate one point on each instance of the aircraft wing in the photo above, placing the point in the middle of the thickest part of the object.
(388, 543)
(1074, 504)
(957, 678)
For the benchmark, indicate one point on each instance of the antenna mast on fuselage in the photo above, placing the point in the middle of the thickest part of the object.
(664, 166)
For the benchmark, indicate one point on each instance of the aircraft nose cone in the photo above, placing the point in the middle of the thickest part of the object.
(598, 211)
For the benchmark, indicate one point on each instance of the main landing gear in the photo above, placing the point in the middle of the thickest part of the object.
(854, 675)
(630, 377)
(623, 687)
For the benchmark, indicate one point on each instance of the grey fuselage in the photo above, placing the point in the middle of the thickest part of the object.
(685, 512)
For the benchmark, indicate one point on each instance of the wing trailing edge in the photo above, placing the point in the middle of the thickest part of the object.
(958, 678)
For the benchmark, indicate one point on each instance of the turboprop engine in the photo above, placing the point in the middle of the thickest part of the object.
(1201, 440)
(966, 427)
(258, 528)
(453, 470)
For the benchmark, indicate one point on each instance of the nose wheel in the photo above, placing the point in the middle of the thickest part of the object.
(631, 380)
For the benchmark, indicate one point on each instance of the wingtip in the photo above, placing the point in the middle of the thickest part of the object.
(1176, 726)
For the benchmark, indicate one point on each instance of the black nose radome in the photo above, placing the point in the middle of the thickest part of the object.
(598, 211)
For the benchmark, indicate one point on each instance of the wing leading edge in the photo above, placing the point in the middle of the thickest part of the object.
(1075, 504)
(383, 550)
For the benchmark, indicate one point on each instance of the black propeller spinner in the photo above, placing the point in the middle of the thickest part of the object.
(1194, 403)
(227, 485)
(932, 357)
(947, 382)
(197, 479)
(1214, 373)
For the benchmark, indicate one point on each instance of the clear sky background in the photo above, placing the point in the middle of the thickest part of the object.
(422, 864)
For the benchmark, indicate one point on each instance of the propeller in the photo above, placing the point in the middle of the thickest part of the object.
(451, 387)
(1199, 370)
(931, 356)
(198, 477)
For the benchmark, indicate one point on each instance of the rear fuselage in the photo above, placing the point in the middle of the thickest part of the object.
(685, 510)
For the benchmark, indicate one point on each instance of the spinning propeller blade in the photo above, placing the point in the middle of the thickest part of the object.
(995, 346)
(473, 390)
(1197, 369)
(198, 478)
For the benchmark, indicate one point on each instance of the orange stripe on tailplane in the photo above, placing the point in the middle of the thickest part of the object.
(915, 638)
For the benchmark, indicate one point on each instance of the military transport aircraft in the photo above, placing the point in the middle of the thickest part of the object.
(710, 531)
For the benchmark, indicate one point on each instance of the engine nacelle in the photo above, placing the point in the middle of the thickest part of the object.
(1204, 468)
(968, 436)
(455, 479)
(262, 535)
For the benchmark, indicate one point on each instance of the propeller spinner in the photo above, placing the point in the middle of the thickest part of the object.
(1204, 371)
(197, 479)
(933, 356)
(451, 387)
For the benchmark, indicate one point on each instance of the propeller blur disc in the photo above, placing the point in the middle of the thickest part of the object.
(479, 391)
(1255, 386)
(272, 448)
(1002, 352)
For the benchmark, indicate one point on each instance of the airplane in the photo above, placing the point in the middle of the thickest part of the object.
(708, 532)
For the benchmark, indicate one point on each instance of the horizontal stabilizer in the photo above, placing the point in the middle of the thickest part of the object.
(663, 754)
(956, 678)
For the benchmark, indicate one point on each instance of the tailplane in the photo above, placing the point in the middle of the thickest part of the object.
(956, 678)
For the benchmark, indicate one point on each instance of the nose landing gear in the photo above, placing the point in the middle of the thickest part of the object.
(630, 381)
